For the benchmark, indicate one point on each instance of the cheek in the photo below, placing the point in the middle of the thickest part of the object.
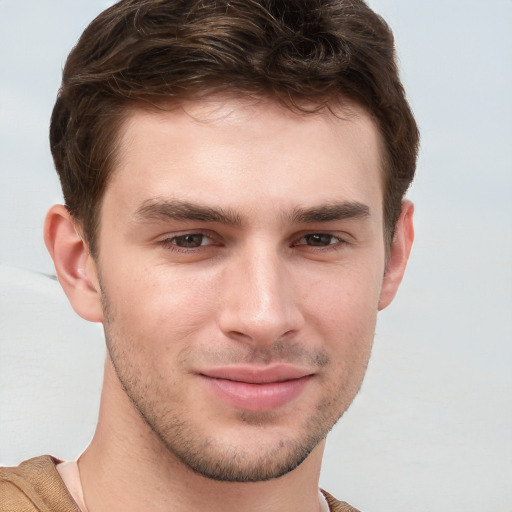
(344, 302)
(345, 317)
(158, 305)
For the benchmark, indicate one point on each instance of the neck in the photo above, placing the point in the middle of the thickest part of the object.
(128, 468)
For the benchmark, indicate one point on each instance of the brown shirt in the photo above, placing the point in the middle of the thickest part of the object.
(36, 486)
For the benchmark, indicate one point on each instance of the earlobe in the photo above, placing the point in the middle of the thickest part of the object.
(399, 254)
(76, 269)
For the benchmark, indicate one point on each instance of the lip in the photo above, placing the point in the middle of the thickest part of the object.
(256, 389)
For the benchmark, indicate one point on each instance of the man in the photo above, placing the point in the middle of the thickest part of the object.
(234, 174)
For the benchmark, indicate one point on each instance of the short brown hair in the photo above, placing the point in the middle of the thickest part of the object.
(297, 51)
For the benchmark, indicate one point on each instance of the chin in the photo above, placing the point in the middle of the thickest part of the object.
(233, 464)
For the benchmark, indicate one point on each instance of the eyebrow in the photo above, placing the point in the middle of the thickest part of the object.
(330, 212)
(172, 209)
(163, 210)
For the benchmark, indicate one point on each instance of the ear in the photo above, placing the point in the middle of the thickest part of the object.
(76, 269)
(399, 254)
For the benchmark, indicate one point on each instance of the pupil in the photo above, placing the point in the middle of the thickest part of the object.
(319, 239)
(189, 240)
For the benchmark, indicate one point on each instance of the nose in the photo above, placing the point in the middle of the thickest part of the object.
(260, 303)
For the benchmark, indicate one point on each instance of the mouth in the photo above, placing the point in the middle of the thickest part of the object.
(256, 389)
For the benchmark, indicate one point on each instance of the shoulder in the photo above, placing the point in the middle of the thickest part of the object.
(338, 506)
(34, 486)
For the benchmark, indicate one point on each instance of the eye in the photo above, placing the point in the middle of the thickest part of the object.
(319, 240)
(188, 241)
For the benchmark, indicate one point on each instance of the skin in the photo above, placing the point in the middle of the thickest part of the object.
(232, 235)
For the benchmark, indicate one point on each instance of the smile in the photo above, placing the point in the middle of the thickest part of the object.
(256, 390)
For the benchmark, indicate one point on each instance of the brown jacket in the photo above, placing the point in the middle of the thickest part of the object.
(36, 486)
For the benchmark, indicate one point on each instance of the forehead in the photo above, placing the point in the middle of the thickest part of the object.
(242, 149)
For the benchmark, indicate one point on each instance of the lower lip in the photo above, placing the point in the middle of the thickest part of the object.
(256, 397)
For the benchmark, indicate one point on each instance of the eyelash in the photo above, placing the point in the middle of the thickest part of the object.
(169, 243)
(338, 240)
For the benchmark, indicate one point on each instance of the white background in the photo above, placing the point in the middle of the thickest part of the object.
(431, 428)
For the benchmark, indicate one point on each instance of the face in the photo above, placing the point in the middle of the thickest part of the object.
(241, 260)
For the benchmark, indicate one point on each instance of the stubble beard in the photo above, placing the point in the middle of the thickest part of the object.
(200, 451)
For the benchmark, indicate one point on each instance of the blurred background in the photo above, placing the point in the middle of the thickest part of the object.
(432, 426)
